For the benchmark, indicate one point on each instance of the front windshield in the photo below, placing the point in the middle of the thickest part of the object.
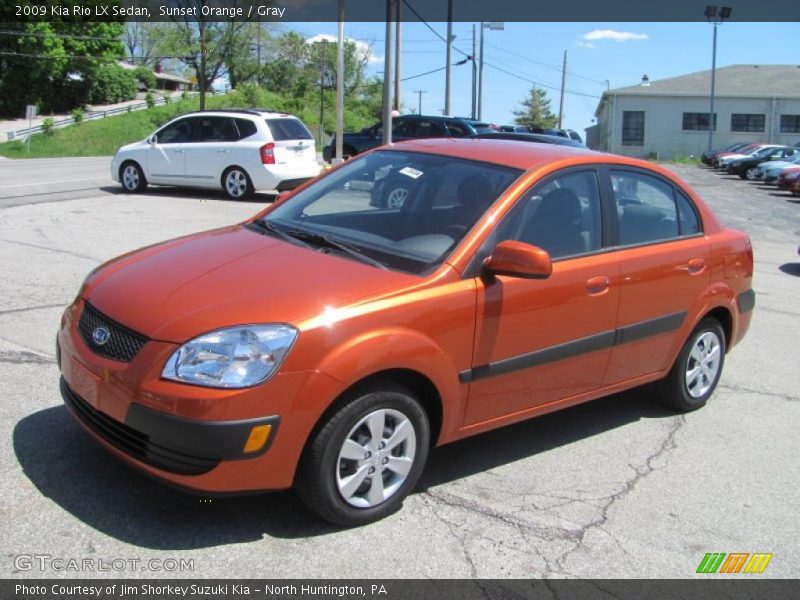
(407, 210)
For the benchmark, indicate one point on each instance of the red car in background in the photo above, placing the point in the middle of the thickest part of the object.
(788, 178)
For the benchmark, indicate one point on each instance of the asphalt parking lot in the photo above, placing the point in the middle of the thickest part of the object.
(620, 487)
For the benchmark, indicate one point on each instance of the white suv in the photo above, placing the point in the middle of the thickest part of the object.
(239, 151)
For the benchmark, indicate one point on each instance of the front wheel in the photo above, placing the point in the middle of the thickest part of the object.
(132, 178)
(750, 174)
(696, 372)
(366, 458)
(236, 184)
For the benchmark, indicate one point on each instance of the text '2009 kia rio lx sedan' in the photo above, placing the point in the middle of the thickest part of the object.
(332, 340)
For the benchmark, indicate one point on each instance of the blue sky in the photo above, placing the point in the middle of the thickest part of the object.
(618, 52)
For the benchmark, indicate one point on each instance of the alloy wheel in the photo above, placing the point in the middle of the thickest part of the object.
(236, 183)
(396, 198)
(702, 368)
(375, 458)
(130, 178)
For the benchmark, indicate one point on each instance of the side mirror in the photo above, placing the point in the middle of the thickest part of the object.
(153, 140)
(518, 259)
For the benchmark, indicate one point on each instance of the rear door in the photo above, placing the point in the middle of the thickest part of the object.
(213, 140)
(663, 258)
(294, 143)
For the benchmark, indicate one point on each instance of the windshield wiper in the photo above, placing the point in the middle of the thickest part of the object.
(272, 228)
(330, 242)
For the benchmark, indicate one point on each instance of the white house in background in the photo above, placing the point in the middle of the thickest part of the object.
(669, 117)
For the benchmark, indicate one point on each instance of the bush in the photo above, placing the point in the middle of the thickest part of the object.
(184, 95)
(146, 77)
(77, 116)
(47, 126)
(111, 83)
(167, 98)
(250, 94)
(149, 100)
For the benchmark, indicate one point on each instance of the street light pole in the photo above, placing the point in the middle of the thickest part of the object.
(715, 20)
(497, 26)
(387, 77)
(340, 87)
(448, 53)
(474, 75)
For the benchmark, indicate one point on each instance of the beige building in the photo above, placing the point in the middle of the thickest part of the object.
(669, 117)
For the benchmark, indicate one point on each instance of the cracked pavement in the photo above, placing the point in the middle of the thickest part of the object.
(620, 487)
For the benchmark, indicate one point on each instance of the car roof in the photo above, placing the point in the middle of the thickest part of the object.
(517, 154)
(258, 112)
(529, 137)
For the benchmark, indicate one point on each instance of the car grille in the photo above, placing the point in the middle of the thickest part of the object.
(136, 444)
(122, 345)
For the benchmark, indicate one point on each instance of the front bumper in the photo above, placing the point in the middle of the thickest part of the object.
(168, 442)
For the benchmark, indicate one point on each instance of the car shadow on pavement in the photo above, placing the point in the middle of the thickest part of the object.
(192, 193)
(790, 269)
(74, 472)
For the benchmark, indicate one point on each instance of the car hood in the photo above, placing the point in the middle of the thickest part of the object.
(179, 289)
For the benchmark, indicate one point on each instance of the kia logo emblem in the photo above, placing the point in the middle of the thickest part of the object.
(100, 336)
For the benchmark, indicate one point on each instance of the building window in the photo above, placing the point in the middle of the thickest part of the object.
(697, 121)
(743, 122)
(633, 128)
(790, 123)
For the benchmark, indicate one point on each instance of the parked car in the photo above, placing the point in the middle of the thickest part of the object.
(328, 345)
(724, 161)
(547, 131)
(405, 127)
(574, 136)
(788, 177)
(768, 171)
(530, 137)
(513, 129)
(707, 156)
(743, 151)
(239, 151)
(746, 168)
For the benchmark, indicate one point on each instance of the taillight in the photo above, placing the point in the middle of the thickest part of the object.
(267, 154)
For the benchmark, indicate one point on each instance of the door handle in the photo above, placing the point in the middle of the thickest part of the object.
(696, 265)
(221, 151)
(178, 151)
(598, 285)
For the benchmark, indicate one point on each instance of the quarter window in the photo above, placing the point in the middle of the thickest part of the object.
(561, 216)
(246, 128)
(633, 128)
(688, 221)
(747, 122)
(645, 208)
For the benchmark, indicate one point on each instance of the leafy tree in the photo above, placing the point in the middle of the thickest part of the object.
(141, 41)
(111, 83)
(535, 110)
(146, 77)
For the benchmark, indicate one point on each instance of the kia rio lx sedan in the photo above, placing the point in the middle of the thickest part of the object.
(328, 344)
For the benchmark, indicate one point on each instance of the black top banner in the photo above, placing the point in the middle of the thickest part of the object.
(410, 10)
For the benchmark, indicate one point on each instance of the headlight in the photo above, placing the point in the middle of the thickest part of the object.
(792, 175)
(234, 357)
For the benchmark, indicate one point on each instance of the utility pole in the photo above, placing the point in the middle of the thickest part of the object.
(419, 95)
(340, 87)
(387, 77)
(201, 24)
(397, 41)
(474, 75)
(449, 50)
(480, 77)
(321, 92)
(563, 83)
(258, 51)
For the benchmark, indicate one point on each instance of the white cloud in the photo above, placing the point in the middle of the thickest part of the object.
(586, 44)
(362, 47)
(617, 36)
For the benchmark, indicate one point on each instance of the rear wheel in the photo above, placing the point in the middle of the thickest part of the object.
(750, 174)
(132, 178)
(696, 372)
(236, 184)
(367, 457)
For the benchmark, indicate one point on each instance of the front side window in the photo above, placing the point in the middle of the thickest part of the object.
(633, 128)
(562, 216)
(645, 208)
(747, 122)
(405, 210)
(178, 132)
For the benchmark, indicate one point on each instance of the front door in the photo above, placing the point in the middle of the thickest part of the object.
(538, 341)
(166, 160)
(207, 153)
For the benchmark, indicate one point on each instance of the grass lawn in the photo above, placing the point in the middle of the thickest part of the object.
(102, 137)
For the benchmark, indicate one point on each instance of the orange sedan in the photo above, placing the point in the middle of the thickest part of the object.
(332, 340)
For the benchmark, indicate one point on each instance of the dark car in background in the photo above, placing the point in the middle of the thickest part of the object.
(746, 168)
(406, 127)
(708, 156)
(530, 137)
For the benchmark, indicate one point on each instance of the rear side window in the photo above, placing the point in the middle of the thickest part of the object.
(246, 128)
(646, 208)
(215, 129)
(457, 129)
(288, 129)
(483, 128)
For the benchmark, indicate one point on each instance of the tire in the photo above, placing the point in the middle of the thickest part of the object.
(391, 193)
(132, 178)
(339, 488)
(705, 345)
(236, 184)
(750, 174)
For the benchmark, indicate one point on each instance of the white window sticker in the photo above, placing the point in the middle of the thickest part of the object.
(413, 173)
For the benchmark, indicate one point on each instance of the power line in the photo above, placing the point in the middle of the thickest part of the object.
(428, 25)
(544, 64)
(538, 83)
